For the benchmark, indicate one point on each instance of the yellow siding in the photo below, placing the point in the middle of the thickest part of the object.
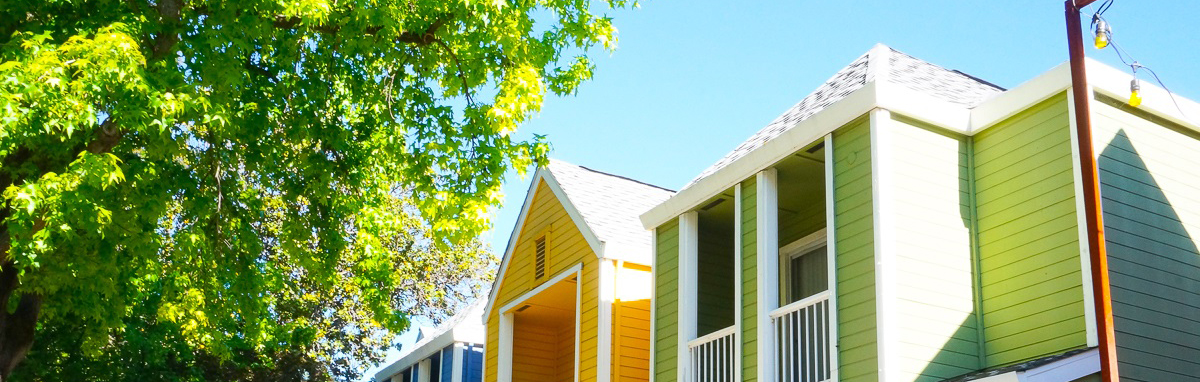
(566, 247)
(535, 358)
(631, 324)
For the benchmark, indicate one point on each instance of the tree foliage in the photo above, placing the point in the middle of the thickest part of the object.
(324, 336)
(234, 157)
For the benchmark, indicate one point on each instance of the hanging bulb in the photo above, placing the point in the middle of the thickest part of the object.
(1103, 33)
(1135, 98)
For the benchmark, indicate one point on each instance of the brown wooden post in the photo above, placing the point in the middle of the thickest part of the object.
(1101, 292)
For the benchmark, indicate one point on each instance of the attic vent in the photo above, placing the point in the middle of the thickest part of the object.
(539, 269)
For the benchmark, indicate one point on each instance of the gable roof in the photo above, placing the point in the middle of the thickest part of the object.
(610, 205)
(605, 208)
(464, 327)
(880, 63)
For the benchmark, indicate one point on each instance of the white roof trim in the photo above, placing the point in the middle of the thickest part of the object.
(1066, 369)
(903, 101)
(542, 174)
(464, 332)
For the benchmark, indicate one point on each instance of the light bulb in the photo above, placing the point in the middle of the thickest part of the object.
(1102, 33)
(1135, 97)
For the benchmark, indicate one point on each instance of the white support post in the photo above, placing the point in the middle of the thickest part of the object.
(688, 289)
(831, 257)
(768, 269)
(458, 362)
(881, 175)
(604, 338)
(653, 301)
(1085, 258)
(737, 281)
(423, 371)
(504, 360)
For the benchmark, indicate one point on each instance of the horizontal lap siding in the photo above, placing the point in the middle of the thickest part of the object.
(938, 336)
(666, 308)
(1151, 200)
(855, 257)
(715, 278)
(566, 247)
(1030, 272)
(749, 280)
(631, 353)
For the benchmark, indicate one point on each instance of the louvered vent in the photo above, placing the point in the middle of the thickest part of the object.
(540, 263)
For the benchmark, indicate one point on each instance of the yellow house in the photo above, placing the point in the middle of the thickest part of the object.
(571, 301)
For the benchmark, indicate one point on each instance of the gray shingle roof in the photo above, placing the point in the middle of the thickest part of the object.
(610, 204)
(941, 83)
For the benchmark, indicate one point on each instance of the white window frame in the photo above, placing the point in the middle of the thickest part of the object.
(798, 248)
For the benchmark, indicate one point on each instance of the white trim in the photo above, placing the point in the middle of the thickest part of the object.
(688, 298)
(1017, 99)
(800, 247)
(768, 263)
(604, 329)
(1067, 369)
(800, 304)
(504, 356)
(831, 253)
(1114, 83)
(457, 360)
(424, 369)
(542, 174)
(712, 336)
(504, 347)
(578, 315)
(880, 182)
(653, 301)
(901, 100)
(1085, 258)
(853, 106)
(737, 281)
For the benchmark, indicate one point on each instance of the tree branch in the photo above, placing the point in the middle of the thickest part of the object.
(458, 65)
(425, 37)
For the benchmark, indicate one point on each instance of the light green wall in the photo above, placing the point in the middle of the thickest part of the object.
(937, 332)
(715, 300)
(666, 290)
(854, 231)
(1028, 238)
(1151, 190)
(749, 280)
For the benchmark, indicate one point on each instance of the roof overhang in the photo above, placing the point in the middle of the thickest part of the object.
(542, 175)
(1067, 369)
(465, 332)
(904, 101)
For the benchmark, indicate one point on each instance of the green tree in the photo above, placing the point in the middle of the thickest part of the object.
(330, 340)
(220, 152)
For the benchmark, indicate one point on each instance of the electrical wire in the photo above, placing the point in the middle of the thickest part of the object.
(1121, 53)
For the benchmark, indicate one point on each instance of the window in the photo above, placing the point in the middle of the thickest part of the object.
(539, 270)
(803, 268)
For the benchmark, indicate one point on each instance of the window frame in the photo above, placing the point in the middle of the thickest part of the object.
(800, 247)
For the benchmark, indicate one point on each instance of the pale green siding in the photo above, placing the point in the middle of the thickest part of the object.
(749, 280)
(1150, 184)
(854, 239)
(929, 203)
(1028, 238)
(715, 300)
(666, 308)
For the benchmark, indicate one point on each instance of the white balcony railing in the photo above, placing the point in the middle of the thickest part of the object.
(712, 356)
(802, 345)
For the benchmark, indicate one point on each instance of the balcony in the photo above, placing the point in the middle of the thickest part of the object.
(802, 343)
(713, 356)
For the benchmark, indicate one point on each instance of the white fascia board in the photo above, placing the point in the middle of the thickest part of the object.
(1114, 83)
(1006, 377)
(512, 243)
(853, 106)
(905, 101)
(626, 252)
(547, 176)
(1013, 101)
(1068, 369)
(416, 355)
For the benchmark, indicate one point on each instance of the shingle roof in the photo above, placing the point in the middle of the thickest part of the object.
(941, 83)
(610, 204)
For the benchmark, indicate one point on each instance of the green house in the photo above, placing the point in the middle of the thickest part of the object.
(906, 222)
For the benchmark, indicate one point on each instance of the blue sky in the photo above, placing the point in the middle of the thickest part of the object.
(690, 80)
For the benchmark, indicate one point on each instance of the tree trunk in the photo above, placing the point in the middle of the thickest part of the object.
(16, 328)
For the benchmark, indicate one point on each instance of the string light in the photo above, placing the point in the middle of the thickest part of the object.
(1103, 32)
(1104, 38)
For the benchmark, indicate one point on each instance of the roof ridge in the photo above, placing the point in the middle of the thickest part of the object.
(611, 174)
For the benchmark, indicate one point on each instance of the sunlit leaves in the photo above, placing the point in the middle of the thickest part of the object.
(240, 162)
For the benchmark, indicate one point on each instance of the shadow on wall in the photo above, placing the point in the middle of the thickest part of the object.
(1154, 266)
